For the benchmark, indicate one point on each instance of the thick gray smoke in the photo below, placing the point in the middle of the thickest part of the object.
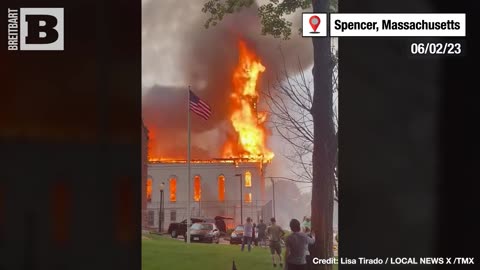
(178, 51)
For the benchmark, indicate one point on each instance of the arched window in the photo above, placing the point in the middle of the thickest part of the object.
(197, 188)
(149, 190)
(173, 189)
(221, 188)
(248, 197)
(248, 179)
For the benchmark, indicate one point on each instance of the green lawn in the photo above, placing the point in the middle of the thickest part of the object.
(166, 253)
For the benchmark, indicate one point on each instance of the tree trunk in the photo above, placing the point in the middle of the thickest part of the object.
(325, 144)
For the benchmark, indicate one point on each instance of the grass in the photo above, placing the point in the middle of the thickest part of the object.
(166, 253)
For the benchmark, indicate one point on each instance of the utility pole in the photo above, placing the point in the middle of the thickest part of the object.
(160, 212)
(273, 191)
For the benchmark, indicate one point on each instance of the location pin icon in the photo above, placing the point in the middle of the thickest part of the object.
(314, 22)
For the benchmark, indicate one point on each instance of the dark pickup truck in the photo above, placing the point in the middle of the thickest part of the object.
(180, 228)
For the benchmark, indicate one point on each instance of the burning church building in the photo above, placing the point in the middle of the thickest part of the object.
(226, 187)
(229, 156)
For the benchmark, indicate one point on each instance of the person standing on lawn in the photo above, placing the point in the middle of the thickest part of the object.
(247, 234)
(309, 257)
(254, 229)
(262, 230)
(296, 247)
(275, 233)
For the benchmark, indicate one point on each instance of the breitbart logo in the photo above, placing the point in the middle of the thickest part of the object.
(35, 29)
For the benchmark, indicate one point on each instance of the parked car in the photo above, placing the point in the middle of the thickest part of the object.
(175, 229)
(236, 237)
(204, 232)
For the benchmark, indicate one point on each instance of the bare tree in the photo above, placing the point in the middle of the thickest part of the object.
(289, 100)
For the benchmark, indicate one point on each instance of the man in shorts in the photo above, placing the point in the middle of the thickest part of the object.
(275, 233)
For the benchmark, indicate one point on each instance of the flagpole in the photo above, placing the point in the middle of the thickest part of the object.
(188, 167)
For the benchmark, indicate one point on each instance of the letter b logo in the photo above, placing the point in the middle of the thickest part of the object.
(41, 29)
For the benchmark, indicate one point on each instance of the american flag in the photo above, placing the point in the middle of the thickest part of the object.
(199, 106)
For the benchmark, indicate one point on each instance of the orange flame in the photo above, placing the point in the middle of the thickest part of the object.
(249, 141)
(247, 122)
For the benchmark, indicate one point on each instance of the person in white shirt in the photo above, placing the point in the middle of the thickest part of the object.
(247, 234)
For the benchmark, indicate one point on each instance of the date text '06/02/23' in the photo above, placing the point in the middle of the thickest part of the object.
(436, 49)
